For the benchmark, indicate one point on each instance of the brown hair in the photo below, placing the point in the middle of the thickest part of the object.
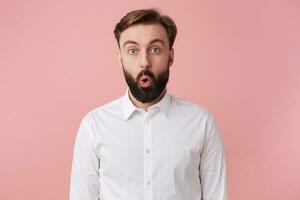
(146, 16)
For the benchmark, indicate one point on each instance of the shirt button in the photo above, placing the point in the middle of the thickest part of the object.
(148, 151)
(148, 182)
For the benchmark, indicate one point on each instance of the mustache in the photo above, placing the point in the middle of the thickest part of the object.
(145, 72)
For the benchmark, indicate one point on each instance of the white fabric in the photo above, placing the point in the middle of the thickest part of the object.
(173, 151)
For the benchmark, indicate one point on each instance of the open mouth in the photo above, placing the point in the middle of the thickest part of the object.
(145, 81)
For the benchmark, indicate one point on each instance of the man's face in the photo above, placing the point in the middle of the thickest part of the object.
(145, 57)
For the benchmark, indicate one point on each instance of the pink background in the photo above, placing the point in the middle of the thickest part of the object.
(239, 59)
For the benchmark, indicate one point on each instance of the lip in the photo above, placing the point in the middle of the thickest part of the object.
(145, 81)
(145, 77)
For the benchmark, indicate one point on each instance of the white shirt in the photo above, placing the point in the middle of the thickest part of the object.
(173, 151)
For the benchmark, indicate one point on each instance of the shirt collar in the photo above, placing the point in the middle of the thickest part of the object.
(129, 108)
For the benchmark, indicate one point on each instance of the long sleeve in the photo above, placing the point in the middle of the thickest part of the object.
(213, 164)
(84, 175)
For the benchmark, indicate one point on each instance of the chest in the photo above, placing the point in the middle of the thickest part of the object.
(127, 147)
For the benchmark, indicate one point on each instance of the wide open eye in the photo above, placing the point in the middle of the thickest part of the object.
(155, 50)
(132, 51)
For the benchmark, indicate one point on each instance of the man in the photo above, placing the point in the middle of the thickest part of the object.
(148, 144)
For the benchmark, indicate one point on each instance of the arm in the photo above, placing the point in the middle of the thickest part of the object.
(213, 164)
(84, 175)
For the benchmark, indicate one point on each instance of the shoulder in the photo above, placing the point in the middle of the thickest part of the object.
(191, 108)
(110, 109)
(195, 112)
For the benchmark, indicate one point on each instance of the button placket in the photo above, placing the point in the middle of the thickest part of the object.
(147, 160)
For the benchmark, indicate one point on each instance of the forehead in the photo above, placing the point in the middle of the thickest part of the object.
(144, 33)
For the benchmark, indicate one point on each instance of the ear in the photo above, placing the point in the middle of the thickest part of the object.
(120, 58)
(171, 57)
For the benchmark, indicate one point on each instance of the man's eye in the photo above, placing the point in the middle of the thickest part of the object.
(132, 51)
(155, 50)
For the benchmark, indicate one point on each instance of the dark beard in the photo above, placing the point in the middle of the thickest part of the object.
(147, 94)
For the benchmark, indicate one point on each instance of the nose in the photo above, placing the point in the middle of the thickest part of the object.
(144, 61)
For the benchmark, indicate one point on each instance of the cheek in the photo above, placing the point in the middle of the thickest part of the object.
(129, 67)
(129, 62)
(160, 64)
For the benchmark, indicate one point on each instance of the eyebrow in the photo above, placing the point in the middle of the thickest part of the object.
(151, 42)
(157, 40)
(129, 42)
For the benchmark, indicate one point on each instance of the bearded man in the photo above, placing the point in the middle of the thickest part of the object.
(148, 144)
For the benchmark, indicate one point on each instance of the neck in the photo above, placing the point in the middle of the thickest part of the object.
(145, 106)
